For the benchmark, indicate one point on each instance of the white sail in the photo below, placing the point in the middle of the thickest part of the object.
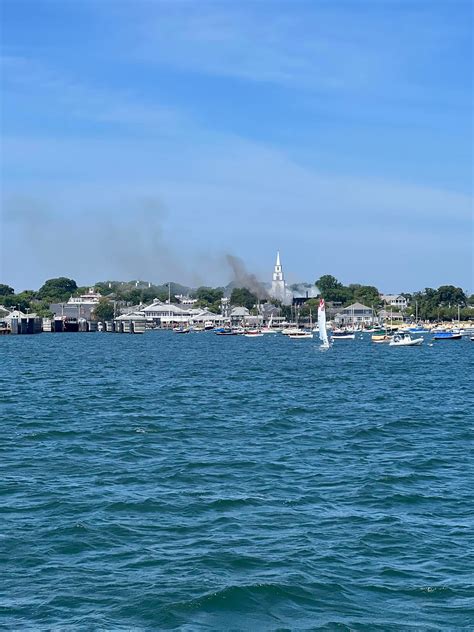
(323, 334)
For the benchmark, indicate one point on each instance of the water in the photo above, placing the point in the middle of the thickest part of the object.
(222, 483)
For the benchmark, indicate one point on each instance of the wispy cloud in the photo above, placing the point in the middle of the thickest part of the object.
(57, 92)
(320, 47)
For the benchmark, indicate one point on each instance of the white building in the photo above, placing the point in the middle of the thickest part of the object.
(169, 314)
(395, 300)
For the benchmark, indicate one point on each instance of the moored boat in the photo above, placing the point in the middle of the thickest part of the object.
(181, 330)
(343, 334)
(405, 340)
(300, 335)
(447, 335)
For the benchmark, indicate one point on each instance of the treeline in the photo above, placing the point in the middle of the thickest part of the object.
(432, 304)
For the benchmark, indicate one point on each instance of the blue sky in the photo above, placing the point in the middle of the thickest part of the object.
(149, 139)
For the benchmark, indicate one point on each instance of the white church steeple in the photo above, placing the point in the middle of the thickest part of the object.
(278, 281)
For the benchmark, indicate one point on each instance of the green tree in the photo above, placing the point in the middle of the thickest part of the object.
(366, 294)
(104, 310)
(449, 295)
(208, 295)
(6, 290)
(21, 301)
(326, 284)
(57, 290)
(243, 297)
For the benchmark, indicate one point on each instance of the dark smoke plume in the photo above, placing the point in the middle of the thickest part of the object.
(242, 278)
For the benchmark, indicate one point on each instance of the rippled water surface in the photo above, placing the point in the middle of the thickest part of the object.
(225, 483)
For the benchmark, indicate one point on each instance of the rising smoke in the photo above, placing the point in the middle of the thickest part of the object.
(243, 278)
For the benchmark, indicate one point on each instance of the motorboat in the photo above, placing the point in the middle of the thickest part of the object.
(225, 331)
(181, 330)
(447, 335)
(253, 333)
(405, 340)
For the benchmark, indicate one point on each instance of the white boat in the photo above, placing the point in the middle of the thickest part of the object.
(253, 333)
(405, 340)
(300, 335)
(323, 334)
(290, 331)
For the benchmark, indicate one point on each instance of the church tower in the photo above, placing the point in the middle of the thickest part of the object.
(278, 281)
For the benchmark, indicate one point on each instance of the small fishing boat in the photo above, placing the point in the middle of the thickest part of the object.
(405, 340)
(181, 330)
(253, 333)
(447, 335)
(225, 331)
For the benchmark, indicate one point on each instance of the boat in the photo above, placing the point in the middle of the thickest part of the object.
(253, 333)
(208, 325)
(323, 334)
(472, 338)
(380, 336)
(342, 334)
(447, 335)
(181, 330)
(418, 330)
(290, 330)
(300, 335)
(225, 331)
(269, 329)
(381, 339)
(405, 340)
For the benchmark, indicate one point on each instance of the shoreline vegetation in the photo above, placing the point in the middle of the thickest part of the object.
(447, 302)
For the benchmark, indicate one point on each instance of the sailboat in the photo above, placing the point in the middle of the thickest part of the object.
(323, 334)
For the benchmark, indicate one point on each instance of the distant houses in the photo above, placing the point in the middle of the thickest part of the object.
(397, 301)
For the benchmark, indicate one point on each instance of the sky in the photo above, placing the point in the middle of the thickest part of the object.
(148, 139)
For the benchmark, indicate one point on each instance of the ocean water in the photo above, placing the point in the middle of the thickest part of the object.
(201, 482)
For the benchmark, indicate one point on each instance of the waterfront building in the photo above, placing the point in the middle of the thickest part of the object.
(170, 314)
(355, 314)
(77, 306)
